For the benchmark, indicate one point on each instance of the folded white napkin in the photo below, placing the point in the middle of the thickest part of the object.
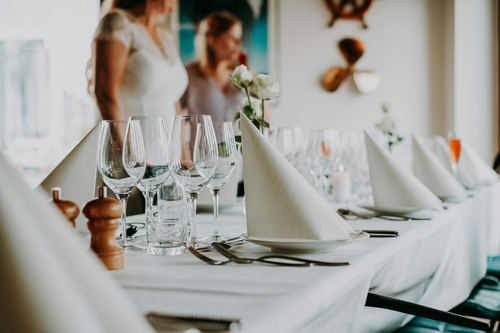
(280, 203)
(49, 281)
(434, 175)
(77, 174)
(392, 185)
(475, 165)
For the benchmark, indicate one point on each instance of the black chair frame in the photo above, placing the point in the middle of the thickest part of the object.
(389, 303)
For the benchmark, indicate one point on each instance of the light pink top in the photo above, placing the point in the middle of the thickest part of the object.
(203, 96)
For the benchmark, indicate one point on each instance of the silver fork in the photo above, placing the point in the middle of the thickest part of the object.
(206, 259)
(210, 261)
(222, 248)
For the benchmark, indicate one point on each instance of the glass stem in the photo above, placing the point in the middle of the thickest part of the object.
(215, 196)
(123, 201)
(317, 183)
(191, 236)
(454, 168)
(149, 196)
(324, 186)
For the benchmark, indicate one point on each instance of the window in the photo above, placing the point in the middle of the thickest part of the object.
(44, 106)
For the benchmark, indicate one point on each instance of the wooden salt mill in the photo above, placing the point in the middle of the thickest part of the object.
(104, 218)
(68, 208)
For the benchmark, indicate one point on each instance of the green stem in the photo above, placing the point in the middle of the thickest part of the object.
(248, 96)
(262, 129)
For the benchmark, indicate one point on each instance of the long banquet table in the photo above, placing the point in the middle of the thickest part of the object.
(435, 263)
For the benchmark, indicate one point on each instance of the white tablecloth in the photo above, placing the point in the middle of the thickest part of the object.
(436, 263)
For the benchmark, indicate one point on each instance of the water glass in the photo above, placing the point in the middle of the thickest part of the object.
(167, 232)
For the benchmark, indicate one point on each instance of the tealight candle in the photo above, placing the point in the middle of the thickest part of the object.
(341, 182)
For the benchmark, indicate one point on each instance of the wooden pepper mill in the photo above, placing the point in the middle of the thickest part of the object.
(104, 218)
(68, 208)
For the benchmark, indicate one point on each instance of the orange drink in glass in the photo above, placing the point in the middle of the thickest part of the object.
(454, 149)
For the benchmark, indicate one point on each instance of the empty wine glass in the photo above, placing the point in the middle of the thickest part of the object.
(299, 142)
(155, 135)
(322, 156)
(193, 160)
(121, 163)
(282, 139)
(226, 147)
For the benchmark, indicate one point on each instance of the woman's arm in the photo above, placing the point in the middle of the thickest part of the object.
(178, 108)
(110, 62)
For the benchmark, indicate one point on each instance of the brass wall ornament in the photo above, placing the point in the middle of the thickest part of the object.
(366, 81)
(348, 9)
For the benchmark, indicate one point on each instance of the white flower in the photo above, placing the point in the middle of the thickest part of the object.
(386, 125)
(266, 87)
(241, 77)
(254, 103)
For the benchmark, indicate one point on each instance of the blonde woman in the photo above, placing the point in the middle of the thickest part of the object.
(217, 45)
(136, 69)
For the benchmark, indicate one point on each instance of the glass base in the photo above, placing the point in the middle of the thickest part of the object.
(137, 244)
(169, 251)
(199, 243)
(214, 239)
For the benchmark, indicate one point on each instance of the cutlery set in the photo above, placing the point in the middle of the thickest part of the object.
(272, 259)
(347, 214)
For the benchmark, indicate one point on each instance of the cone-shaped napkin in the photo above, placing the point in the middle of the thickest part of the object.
(429, 170)
(49, 282)
(77, 174)
(393, 186)
(280, 203)
(475, 165)
(442, 152)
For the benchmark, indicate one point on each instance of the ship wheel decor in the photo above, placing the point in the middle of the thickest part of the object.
(366, 81)
(349, 10)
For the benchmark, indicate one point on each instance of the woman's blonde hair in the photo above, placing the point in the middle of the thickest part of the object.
(213, 25)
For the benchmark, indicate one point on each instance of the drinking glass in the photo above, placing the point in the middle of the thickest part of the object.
(455, 147)
(299, 137)
(168, 230)
(282, 139)
(121, 163)
(193, 160)
(322, 156)
(225, 171)
(155, 135)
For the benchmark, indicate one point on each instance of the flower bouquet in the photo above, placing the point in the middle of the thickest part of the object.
(258, 90)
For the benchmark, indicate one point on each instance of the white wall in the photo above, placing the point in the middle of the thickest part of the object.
(406, 42)
(476, 68)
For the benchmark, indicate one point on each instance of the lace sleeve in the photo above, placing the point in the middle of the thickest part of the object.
(114, 25)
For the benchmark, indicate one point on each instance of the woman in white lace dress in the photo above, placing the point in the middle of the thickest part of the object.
(137, 70)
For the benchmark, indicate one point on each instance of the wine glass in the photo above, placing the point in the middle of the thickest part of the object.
(322, 156)
(299, 143)
(155, 135)
(455, 147)
(226, 147)
(121, 162)
(282, 139)
(193, 160)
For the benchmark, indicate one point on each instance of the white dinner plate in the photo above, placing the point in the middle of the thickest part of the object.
(304, 245)
(396, 211)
